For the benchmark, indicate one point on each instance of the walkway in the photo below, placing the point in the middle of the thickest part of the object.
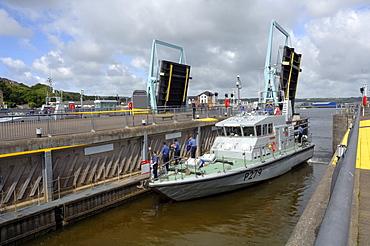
(361, 204)
(308, 226)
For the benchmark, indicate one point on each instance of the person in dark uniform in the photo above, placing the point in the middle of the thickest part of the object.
(155, 164)
(176, 148)
(300, 129)
(165, 153)
(193, 146)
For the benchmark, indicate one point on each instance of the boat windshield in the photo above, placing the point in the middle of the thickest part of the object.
(248, 131)
(220, 131)
(234, 131)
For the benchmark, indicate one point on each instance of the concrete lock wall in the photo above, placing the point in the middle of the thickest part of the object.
(40, 171)
(88, 159)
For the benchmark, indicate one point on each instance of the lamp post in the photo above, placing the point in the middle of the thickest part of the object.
(239, 86)
(82, 93)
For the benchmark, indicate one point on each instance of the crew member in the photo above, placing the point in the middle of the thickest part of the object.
(269, 109)
(176, 148)
(277, 110)
(193, 146)
(300, 129)
(155, 165)
(165, 152)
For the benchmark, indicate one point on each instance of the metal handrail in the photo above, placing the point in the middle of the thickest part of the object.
(24, 126)
(335, 227)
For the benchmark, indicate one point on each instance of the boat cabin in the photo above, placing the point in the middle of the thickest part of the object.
(252, 136)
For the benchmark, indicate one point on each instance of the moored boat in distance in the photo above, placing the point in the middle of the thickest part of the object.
(251, 147)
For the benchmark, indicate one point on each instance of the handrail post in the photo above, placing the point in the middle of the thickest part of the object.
(174, 115)
(2, 199)
(182, 175)
(58, 187)
(92, 123)
(261, 153)
(126, 125)
(74, 184)
(49, 130)
(153, 117)
(38, 194)
(195, 169)
(104, 174)
(15, 201)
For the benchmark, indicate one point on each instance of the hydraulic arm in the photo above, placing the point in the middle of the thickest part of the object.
(270, 92)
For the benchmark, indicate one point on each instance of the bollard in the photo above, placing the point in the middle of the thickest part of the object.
(38, 132)
(341, 150)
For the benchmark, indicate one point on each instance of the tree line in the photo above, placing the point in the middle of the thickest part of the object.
(15, 93)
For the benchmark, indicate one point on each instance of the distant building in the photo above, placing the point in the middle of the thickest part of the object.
(208, 98)
(9, 82)
(204, 98)
(105, 104)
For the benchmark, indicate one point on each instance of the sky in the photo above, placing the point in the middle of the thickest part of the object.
(104, 47)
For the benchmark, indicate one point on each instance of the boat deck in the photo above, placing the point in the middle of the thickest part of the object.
(181, 171)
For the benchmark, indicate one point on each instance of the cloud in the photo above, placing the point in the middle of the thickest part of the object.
(26, 44)
(14, 66)
(324, 8)
(334, 53)
(10, 27)
(105, 47)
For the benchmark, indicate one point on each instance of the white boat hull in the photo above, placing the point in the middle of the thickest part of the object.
(211, 184)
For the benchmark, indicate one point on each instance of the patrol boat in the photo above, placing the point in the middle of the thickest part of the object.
(251, 147)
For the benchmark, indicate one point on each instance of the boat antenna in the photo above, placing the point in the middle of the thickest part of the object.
(239, 86)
